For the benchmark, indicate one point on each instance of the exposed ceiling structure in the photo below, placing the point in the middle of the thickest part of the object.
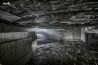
(60, 13)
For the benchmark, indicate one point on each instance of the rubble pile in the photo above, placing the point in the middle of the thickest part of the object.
(68, 53)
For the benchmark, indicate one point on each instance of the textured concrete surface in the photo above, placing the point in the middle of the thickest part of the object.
(18, 50)
(68, 53)
(11, 28)
(9, 36)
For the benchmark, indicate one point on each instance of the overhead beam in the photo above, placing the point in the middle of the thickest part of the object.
(8, 17)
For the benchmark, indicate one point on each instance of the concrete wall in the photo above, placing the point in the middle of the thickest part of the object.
(91, 39)
(11, 28)
(15, 47)
(9, 36)
(72, 34)
(88, 34)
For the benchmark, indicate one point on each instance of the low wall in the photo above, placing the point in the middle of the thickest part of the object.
(6, 26)
(16, 47)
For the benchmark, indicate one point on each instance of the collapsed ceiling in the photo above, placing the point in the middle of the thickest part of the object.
(50, 12)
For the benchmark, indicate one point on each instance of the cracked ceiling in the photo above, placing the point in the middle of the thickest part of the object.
(50, 12)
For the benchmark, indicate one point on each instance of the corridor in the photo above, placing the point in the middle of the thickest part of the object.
(49, 32)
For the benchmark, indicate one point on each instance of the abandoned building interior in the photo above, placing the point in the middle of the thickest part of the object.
(48, 32)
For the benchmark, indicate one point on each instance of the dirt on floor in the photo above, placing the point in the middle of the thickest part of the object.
(67, 53)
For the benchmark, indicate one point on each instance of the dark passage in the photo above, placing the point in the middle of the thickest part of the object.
(63, 52)
(49, 32)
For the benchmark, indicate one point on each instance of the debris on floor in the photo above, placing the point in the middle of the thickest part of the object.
(68, 53)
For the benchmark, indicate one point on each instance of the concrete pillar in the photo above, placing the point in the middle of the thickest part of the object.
(83, 34)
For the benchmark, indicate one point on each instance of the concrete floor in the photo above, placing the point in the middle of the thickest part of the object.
(70, 53)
